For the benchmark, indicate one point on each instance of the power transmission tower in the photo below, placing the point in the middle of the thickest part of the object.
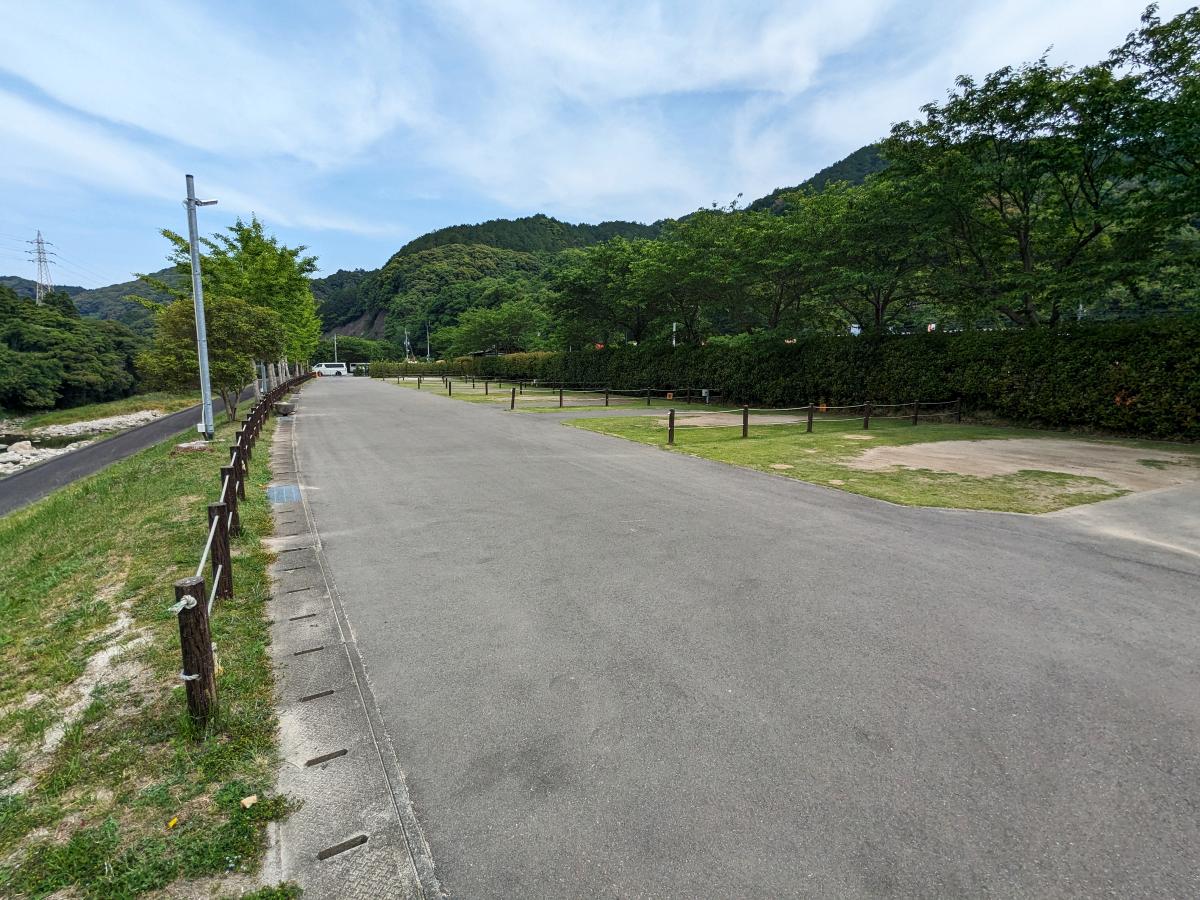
(45, 284)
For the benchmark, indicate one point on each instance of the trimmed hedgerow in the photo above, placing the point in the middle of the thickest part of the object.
(1140, 378)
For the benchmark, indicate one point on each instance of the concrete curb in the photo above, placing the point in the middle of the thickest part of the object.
(356, 833)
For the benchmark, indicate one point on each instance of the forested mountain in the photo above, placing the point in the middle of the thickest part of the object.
(107, 303)
(110, 303)
(854, 169)
(529, 234)
(27, 287)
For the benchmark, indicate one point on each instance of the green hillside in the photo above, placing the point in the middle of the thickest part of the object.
(854, 169)
(529, 234)
(27, 287)
(109, 302)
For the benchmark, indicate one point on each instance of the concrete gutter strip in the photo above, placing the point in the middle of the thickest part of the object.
(355, 833)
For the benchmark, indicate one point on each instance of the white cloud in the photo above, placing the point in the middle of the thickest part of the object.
(204, 81)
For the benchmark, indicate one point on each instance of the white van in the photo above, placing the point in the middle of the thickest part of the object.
(331, 369)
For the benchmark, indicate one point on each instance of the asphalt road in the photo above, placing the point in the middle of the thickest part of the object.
(613, 671)
(24, 487)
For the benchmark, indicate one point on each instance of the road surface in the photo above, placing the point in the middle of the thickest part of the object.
(24, 487)
(613, 671)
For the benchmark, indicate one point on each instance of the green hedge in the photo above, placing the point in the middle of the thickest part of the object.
(1140, 378)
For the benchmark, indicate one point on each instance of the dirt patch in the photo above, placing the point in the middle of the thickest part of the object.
(1130, 468)
(858, 437)
(725, 420)
(781, 466)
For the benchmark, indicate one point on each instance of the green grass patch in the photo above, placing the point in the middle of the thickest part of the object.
(822, 456)
(91, 568)
(161, 400)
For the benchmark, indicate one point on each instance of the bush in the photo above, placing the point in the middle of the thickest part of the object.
(1140, 378)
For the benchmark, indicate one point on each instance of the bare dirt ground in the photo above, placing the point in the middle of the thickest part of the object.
(1131, 468)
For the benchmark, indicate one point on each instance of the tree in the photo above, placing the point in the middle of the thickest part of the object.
(1034, 193)
(248, 264)
(599, 295)
(512, 326)
(873, 247)
(50, 357)
(238, 334)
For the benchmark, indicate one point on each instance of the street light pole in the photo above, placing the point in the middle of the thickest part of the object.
(198, 301)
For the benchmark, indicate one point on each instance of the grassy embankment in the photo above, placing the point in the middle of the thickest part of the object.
(544, 400)
(105, 791)
(161, 400)
(822, 457)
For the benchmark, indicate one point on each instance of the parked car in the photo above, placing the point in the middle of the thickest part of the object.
(327, 368)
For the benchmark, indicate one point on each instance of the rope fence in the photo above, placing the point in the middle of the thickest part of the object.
(194, 600)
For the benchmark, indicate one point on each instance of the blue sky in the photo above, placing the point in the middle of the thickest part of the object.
(353, 127)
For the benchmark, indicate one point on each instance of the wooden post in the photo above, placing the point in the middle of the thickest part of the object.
(449, 388)
(916, 411)
(485, 387)
(606, 396)
(866, 416)
(746, 420)
(810, 418)
(671, 427)
(647, 396)
(222, 564)
(958, 410)
(195, 644)
(512, 400)
(231, 498)
(240, 469)
(418, 382)
(560, 397)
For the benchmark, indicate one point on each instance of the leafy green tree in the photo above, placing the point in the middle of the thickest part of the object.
(238, 334)
(599, 296)
(1033, 191)
(253, 266)
(512, 326)
(50, 357)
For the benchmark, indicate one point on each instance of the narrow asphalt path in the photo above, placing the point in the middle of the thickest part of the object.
(613, 671)
(24, 487)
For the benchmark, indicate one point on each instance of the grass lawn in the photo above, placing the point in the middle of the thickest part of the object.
(543, 400)
(104, 789)
(166, 402)
(821, 458)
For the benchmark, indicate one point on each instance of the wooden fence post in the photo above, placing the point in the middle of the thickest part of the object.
(745, 420)
(485, 387)
(560, 397)
(512, 400)
(449, 388)
(199, 672)
(671, 427)
(958, 410)
(222, 563)
(231, 498)
(810, 418)
(606, 396)
(866, 415)
(647, 396)
(916, 411)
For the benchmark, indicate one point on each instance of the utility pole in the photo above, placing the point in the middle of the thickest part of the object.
(45, 284)
(408, 354)
(427, 357)
(335, 359)
(674, 325)
(198, 301)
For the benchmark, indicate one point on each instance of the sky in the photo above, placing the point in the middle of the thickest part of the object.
(352, 127)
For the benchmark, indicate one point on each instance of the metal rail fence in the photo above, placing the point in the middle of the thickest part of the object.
(194, 599)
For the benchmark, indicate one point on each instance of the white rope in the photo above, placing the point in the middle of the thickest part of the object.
(187, 601)
(207, 546)
(213, 593)
(224, 488)
(184, 676)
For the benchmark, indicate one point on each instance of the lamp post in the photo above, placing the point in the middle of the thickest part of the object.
(198, 301)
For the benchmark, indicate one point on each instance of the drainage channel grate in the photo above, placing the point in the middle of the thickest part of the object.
(342, 847)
